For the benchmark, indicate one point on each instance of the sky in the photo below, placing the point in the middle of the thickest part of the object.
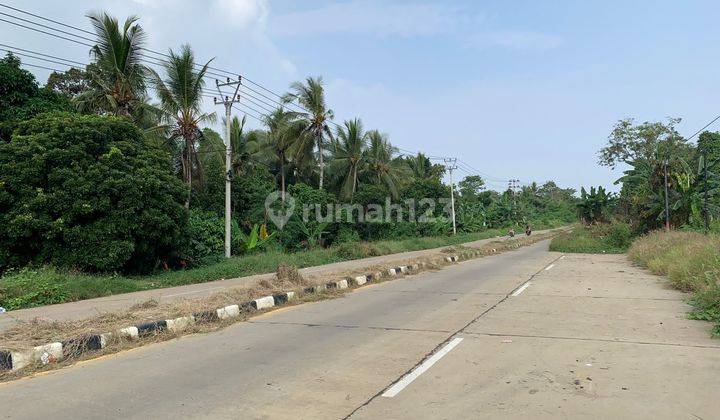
(514, 89)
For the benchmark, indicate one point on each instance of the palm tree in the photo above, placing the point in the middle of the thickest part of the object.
(280, 140)
(382, 166)
(349, 156)
(181, 99)
(245, 144)
(311, 96)
(117, 80)
(423, 169)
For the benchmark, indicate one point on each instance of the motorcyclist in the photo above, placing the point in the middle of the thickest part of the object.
(528, 230)
(511, 232)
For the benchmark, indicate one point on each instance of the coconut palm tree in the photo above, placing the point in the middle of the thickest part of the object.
(422, 168)
(280, 141)
(181, 100)
(245, 145)
(117, 78)
(311, 96)
(382, 165)
(349, 156)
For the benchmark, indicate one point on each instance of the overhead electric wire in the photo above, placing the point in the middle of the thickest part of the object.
(210, 70)
(706, 126)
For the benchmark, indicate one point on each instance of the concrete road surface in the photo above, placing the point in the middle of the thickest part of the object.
(92, 307)
(586, 337)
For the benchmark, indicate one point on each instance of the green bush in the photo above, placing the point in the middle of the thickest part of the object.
(29, 288)
(87, 192)
(205, 238)
(346, 234)
(620, 235)
(611, 238)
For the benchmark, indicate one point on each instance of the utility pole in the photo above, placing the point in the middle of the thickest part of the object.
(705, 204)
(514, 186)
(451, 167)
(228, 101)
(667, 203)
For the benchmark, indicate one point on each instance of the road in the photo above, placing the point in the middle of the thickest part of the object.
(588, 337)
(91, 307)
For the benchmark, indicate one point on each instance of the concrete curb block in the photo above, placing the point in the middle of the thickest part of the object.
(56, 351)
(263, 303)
(283, 298)
(341, 284)
(359, 280)
(230, 311)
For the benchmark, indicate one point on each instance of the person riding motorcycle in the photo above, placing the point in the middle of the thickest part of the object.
(528, 230)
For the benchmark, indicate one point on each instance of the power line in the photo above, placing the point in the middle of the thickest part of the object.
(706, 126)
(281, 101)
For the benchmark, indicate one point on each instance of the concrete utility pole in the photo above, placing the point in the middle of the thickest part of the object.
(228, 101)
(451, 168)
(667, 203)
(705, 204)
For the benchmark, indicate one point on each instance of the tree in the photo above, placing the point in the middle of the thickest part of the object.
(349, 155)
(628, 142)
(422, 168)
(470, 187)
(284, 130)
(89, 193)
(71, 83)
(181, 102)
(311, 96)
(20, 97)
(117, 82)
(382, 166)
(594, 207)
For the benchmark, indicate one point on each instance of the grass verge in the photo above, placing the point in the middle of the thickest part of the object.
(691, 261)
(612, 238)
(32, 287)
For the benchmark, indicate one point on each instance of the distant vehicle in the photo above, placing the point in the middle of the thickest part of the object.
(511, 233)
(528, 230)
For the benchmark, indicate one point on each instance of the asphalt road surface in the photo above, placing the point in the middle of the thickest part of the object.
(586, 337)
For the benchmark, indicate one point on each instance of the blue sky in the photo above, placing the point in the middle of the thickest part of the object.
(521, 89)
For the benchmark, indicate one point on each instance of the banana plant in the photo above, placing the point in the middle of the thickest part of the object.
(257, 238)
(313, 234)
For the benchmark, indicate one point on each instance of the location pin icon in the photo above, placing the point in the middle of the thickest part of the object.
(281, 215)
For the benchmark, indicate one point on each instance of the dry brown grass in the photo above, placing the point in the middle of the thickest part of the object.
(691, 260)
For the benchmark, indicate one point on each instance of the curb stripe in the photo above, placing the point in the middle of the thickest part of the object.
(150, 328)
(5, 360)
(79, 345)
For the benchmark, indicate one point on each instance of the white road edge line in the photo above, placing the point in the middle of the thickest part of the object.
(520, 289)
(410, 377)
(549, 267)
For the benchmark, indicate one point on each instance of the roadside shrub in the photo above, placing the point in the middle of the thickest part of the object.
(346, 234)
(205, 238)
(613, 238)
(620, 235)
(28, 288)
(87, 192)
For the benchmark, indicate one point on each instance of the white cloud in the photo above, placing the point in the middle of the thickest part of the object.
(243, 13)
(373, 17)
(518, 40)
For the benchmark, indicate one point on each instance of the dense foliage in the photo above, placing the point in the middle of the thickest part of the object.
(652, 153)
(86, 192)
